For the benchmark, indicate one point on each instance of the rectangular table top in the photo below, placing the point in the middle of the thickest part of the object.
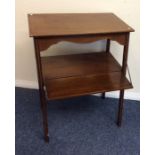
(75, 24)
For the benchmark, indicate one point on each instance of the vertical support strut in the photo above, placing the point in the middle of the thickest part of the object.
(108, 45)
(107, 50)
(121, 97)
(43, 102)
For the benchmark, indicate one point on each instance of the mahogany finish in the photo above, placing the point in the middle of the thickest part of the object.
(75, 24)
(83, 85)
(78, 64)
(42, 92)
(79, 74)
(124, 66)
(108, 51)
(46, 42)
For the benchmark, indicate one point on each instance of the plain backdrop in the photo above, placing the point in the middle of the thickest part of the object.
(25, 68)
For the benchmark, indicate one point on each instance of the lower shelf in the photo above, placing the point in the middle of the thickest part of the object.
(77, 86)
(82, 74)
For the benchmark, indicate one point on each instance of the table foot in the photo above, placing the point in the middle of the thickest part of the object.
(103, 96)
(46, 139)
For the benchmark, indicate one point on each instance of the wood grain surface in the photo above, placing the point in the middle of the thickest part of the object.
(81, 74)
(75, 24)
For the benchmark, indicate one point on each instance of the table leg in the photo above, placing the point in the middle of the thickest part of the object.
(121, 97)
(120, 108)
(44, 114)
(107, 50)
(103, 96)
(43, 103)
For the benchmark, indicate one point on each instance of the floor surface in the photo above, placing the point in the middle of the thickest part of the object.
(78, 126)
